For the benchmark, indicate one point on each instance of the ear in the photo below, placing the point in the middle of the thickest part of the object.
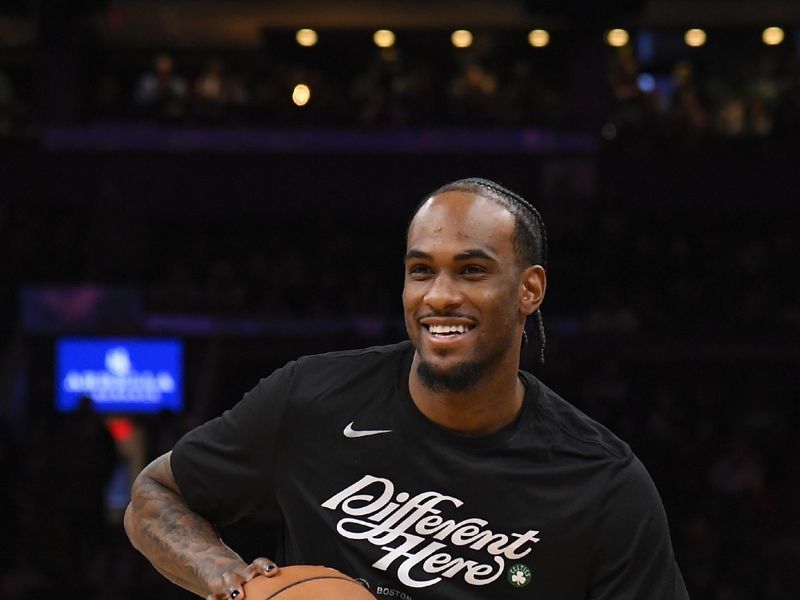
(533, 283)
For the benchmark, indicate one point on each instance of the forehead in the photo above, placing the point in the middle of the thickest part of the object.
(463, 220)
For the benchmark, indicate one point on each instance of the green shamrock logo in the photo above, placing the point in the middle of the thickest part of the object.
(519, 575)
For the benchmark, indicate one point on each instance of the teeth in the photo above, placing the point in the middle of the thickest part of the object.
(445, 329)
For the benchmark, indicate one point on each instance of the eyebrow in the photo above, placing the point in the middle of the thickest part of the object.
(461, 256)
(475, 253)
(417, 254)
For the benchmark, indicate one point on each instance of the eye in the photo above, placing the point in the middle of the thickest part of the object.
(474, 271)
(418, 270)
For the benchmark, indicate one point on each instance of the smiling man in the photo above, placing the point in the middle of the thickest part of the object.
(429, 469)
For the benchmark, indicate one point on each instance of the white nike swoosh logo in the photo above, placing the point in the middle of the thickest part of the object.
(349, 432)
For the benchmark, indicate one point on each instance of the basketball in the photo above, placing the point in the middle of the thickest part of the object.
(306, 582)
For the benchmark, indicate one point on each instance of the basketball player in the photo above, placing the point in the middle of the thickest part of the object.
(430, 469)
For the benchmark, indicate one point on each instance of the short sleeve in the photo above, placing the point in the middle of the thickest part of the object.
(224, 468)
(633, 553)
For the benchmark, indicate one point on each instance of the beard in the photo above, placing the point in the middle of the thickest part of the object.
(456, 379)
(460, 377)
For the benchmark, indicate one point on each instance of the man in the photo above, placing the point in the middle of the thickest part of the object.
(433, 469)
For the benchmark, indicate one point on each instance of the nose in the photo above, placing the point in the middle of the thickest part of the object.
(443, 293)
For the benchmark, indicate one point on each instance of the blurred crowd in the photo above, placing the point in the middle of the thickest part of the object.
(755, 95)
(754, 98)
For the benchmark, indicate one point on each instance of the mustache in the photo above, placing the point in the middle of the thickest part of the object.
(450, 314)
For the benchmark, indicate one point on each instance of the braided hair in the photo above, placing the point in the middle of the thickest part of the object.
(529, 237)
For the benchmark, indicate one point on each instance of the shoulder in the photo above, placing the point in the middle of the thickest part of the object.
(318, 376)
(575, 439)
(570, 431)
(361, 357)
(331, 370)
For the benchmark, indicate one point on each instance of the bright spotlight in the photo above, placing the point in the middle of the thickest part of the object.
(617, 37)
(461, 38)
(538, 38)
(772, 36)
(301, 94)
(695, 38)
(383, 38)
(306, 37)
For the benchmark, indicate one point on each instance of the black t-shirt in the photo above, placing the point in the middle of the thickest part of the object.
(551, 507)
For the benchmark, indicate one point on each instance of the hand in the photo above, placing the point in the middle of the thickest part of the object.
(231, 585)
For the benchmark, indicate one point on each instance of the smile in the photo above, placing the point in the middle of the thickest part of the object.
(447, 330)
(441, 331)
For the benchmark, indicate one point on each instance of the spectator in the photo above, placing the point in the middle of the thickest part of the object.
(472, 96)
(688, 114)
(217, 93)
(160, 92)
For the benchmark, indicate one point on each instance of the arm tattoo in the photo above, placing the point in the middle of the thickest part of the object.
(181, 545)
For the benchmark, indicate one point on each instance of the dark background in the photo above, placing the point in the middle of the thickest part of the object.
(256, 231)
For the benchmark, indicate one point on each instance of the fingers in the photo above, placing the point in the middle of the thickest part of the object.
(231, 586)
(233, 583)
(231, 592)
(264, 566)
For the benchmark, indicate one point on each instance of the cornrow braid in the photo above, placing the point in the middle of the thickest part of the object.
(530, 234)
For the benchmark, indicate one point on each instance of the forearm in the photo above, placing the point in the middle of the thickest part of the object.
(181, 545)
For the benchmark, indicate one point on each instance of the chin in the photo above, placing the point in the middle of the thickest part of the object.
(454, 378)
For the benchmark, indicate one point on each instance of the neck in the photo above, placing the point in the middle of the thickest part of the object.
(493, 402)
